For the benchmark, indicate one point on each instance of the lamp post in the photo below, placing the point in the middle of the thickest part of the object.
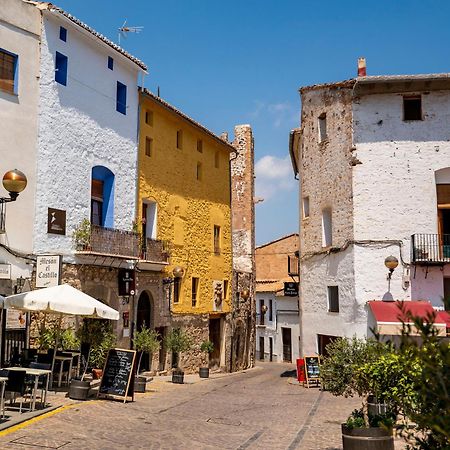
(391, 262)
(14, 181)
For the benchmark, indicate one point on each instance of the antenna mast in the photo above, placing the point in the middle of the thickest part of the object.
(124, 30)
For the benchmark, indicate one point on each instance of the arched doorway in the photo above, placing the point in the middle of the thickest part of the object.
(144, 319)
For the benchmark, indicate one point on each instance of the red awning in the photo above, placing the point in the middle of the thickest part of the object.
(390, 315)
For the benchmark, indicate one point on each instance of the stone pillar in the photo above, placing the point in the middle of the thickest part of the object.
(243, 316)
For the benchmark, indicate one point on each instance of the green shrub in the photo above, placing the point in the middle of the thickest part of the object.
(146, 340)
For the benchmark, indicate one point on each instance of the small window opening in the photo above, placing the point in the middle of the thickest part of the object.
(262, 312)
(194, 291)
(200, 145)
(225, 289)
(121, 98)
(61, 69)
(333, 299)
(216, 160)
(180, 139)
(270, 310)
(176, 290)
(327, 230)
(323, 127)
(217, 239)
(148, 146)
(8, 72)
(110, 63)
(305, 207)
(149, 117)
(199, 171)
(412, 108)
(63, 34)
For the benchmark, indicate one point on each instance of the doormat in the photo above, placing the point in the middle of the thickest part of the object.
(39, 442)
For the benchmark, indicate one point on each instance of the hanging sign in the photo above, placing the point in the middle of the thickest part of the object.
(290, 289)
(5, 271)
(48, 270)
(127, 284)
(56, 221)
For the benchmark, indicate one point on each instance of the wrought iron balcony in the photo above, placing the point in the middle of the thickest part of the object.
(430, 248)
(114, 243)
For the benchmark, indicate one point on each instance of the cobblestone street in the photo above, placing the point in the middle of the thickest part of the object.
(257, 409)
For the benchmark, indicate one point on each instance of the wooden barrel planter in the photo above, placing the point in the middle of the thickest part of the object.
(79, 390)
(178, 377)
(367, 438)
(140, 384)
(203, 372)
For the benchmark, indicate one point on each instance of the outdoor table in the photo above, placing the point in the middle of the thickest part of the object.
(3, 381)
(74, 354)
(63, 359)
(36, 373)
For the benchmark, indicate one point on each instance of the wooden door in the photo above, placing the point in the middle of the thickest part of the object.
(287, 344)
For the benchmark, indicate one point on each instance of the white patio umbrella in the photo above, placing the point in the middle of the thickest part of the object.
(61, 299)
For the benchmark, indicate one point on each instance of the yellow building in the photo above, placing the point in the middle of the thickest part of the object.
(184, 200)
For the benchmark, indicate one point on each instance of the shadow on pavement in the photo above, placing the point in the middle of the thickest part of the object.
(289, 374)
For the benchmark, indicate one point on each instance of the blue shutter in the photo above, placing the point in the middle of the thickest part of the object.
(121, 98)
(63, 34)
(110, 63)
(61, 69)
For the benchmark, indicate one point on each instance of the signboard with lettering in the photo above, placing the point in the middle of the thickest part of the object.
(290, 289)
(118, 374)
(126, 282)
(312, 370)
(56, 221)
(15, 319)
(48, 270)
(5, 271)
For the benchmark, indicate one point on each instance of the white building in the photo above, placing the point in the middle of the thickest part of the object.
(373, 157)
(277, 320)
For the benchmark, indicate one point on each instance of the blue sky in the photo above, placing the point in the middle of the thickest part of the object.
(233, 62)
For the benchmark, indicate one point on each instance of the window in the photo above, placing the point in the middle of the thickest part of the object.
(110, 63)
(180, 139)
(216, 160)
(199, 171)
(102, 197)
(412, 107)
(333, 299)
(8, 72)
(327, 230)
(61, 69)
(63, 34)
(149, 219)
(270, 310)
(305, 207)
(217, 239)
(262, 312)
(225, 289)
(176, 290)
(148, 146)
(149, 117)
(199, 145)
(194, 291)
(323, 127)
(121, 98)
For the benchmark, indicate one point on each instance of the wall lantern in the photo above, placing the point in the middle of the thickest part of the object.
(14, 181)
(391, 262)
(178, 272)
(264, 309)
(245, 294)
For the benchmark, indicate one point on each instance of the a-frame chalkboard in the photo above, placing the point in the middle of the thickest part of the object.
(118, 375)
(312, 370)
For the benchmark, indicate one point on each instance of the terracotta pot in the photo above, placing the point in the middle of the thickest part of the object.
(97, 374)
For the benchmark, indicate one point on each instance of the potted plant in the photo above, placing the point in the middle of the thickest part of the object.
(344, 371)
(177, 341)
(81, 236)
(145, 340)
(206, 347)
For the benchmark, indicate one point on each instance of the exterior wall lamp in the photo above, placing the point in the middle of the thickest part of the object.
(245, 294)
(177, 272)
(14, 181)
(391, 262)
(263, 309)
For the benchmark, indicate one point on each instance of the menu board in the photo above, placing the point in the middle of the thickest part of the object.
(118, 374)
(312, 369)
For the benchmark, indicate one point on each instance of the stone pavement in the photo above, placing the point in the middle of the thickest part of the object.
(254, 409)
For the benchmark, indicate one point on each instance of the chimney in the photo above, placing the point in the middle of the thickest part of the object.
(362, 68)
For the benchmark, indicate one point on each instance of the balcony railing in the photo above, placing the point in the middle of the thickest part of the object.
(123, 244)
(430, 248)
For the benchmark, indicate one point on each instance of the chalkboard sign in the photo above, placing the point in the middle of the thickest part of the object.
(312, 369)
(118, 374)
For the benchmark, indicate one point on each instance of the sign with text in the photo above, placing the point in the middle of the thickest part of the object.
(5, 271)
(126, 282)
(56, 221)
(15, 320)
(290, 289)
(312, 370)
(48, 270)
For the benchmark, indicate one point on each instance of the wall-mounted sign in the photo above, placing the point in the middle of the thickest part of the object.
(48, 270)
(56, 221)
(290, 289)
(15, 320)
(5, 271)
(126, 282)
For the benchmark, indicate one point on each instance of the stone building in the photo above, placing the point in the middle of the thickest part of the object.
(277, 319)
(243, 316)
(373, 158)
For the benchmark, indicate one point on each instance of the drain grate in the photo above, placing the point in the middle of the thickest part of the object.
(224, 421)
(33, 442)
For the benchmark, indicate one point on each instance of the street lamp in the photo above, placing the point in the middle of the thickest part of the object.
(245, 294)
(14, 181)
(391, 262)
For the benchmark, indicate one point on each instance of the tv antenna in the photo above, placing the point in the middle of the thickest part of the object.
(124, 30)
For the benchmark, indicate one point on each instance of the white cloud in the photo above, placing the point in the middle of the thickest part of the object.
(273, 176)
(281, 113)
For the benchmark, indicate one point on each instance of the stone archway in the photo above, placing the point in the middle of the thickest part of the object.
(144, 318)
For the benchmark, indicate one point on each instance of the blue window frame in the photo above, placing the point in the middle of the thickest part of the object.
(9, 72)
(61, 68)
(102, 197)
(121, 98)
(110, 63)
(63, 34)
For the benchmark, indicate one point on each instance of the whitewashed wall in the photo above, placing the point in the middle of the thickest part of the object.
(20, 27)
(394, 189)
(79, 128)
